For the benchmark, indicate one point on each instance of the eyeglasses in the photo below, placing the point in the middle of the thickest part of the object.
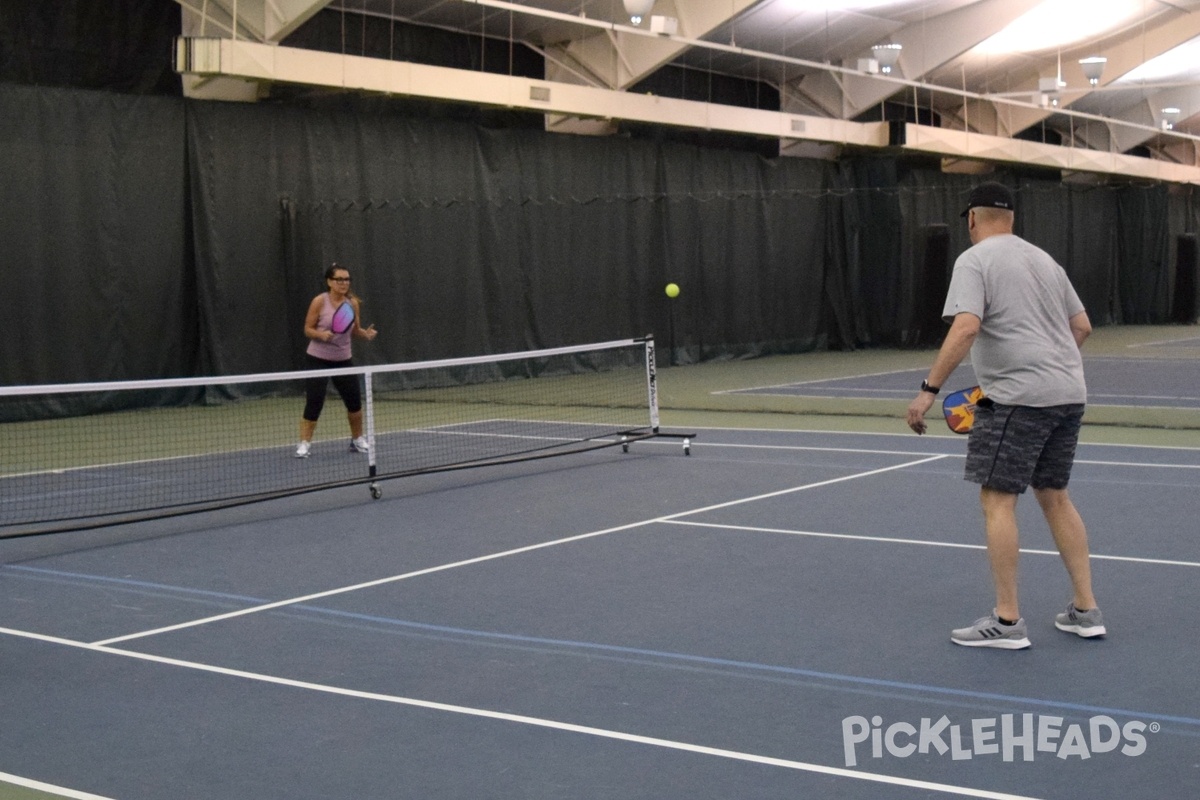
(340, 280)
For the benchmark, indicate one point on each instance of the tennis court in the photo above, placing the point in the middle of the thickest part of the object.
(767, 617)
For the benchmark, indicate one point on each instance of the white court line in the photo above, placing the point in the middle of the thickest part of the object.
(1187, 339)
(827, 449)
(366, 585)
(493, 556)
(1106, 400)
(924, 542)
(1111, 396)
(524, 720)
(49, 788)
(817, 380)
(1135, 464)
(909, 435)
(1090, 462)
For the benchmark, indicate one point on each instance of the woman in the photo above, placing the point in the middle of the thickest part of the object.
(328, 349)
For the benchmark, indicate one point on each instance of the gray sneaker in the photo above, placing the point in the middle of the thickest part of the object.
(988, 632)
(1082, 623)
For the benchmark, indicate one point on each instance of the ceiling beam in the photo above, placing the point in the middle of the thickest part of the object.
(1125, 53)
(250, 61)
(265, 20)
(620, 59)
(262, 20)
(927, 46)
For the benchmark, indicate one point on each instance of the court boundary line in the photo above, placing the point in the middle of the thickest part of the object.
(863, 393)
(822, 380)
(668, 658)
(503, 554)
(926, 543)
(49, 788)
(950, 437)
(868, 451)
(540, 722)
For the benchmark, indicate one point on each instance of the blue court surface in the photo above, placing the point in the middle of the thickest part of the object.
(1112, 381)
(768, 617)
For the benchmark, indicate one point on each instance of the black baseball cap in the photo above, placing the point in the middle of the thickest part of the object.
(990, 195)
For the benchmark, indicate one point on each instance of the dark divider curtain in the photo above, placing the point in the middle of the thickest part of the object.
(236, 158)
(118, 45)
(156, 237)
(930, 204)
(1143, 269)
(94, 269)
(463, 240)
(872, 223)
(745, 240)
(1093, 260)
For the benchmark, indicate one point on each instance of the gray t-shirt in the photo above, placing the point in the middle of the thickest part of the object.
(1025, 353)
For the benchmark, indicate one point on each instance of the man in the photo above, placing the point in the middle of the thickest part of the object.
(1013, 308)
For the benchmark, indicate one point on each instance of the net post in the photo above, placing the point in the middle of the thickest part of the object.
(369, 396)
(652, 382)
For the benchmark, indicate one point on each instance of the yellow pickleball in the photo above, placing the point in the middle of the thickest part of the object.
(672, 290)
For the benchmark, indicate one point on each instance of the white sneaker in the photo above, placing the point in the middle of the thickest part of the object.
(302, 449)
(359, 444)
(1083, 623)
(989, 632)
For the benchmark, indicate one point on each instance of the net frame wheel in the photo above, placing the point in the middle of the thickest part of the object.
(687, 447)
(624, 444)
(376, 491)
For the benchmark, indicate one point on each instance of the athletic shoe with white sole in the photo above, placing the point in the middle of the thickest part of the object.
(989, 632)
(1087, 624)
(302, 449)
(359, 444)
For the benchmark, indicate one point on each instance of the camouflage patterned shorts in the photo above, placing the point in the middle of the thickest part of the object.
(1012, 447)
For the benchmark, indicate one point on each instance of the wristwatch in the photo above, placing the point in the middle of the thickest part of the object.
(933, 390)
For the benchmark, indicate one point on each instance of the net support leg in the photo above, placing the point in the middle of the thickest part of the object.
(376, 492)
(652, 383)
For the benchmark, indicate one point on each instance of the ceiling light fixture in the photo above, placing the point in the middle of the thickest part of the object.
(1169, 115)
(1093, 68)
(636, 9)
(887, 55)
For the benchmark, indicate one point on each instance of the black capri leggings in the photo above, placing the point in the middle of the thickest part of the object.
(314, 388)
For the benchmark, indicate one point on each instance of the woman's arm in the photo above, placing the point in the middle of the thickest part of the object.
(312, 318)
(358, 332)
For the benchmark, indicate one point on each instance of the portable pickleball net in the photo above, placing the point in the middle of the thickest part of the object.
(78, 456)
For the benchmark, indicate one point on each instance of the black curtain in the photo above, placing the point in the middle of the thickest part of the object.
(155, 237)
(117, 45)
(463, 240)
(1143, 277)
(95, 267)
(872, 223)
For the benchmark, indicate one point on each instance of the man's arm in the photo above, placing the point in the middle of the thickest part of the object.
(1081, 327)
(954, 349)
